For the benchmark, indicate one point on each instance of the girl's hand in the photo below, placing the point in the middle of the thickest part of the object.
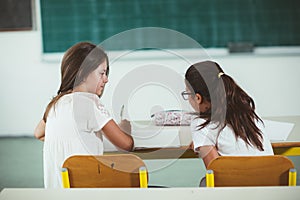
(119, 135)
(39, 131)
(191, 146)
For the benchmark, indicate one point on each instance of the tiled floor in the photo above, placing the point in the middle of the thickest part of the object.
(21, 162)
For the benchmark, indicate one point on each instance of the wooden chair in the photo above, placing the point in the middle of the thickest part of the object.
(121, 170)
(250, 171)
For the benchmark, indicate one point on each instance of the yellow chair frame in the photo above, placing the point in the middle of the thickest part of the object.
(119, 170)
(226, 171)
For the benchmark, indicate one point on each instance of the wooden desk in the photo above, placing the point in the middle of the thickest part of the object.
(290, 147)
(224, 193)
(284, 148)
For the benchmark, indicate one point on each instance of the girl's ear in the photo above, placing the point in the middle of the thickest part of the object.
(198, 98)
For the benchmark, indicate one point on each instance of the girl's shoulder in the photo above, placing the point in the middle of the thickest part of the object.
(93, 99)
(86, 97)
(196, 121)
(212, 128)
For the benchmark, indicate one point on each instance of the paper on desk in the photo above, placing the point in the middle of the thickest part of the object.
(149, 138)
(158, 138)
(278, 131)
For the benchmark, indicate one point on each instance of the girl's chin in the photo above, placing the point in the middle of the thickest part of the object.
(99, 91)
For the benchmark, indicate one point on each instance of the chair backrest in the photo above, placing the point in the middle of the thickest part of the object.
(120, 170)
(251, 170)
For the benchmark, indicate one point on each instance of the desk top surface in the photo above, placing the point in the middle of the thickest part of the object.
(183, 150)
(228, 193)
(294, 135)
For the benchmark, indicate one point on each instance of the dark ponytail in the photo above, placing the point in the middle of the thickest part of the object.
(230, 104)
(241, 114)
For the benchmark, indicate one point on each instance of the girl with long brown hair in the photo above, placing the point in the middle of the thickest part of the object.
(226, 122)
(75, 119)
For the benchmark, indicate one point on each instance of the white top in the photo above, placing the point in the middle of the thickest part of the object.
(227, 144)
(71, 130)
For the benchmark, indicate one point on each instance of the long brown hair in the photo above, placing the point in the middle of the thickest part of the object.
(230, 104)
(77, 63)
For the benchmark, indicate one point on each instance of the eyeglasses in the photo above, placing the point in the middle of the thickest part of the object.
(185, 95)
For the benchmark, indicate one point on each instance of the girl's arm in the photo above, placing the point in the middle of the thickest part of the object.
(39, 131)
(118, 137)
(208, 153)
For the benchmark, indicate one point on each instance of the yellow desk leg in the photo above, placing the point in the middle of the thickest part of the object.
(143, 177)
(287, 151)
(65, 178)
(210, 180)
(292, 177)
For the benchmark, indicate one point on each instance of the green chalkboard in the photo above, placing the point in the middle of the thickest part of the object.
(212, 23)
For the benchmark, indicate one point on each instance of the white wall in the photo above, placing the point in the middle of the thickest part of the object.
(28, 83)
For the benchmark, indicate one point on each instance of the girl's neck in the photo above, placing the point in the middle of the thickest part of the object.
(79, 88)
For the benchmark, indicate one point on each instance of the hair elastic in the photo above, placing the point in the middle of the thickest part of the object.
(220, 74)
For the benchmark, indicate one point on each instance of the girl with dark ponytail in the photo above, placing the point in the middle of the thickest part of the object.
(226, 122)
